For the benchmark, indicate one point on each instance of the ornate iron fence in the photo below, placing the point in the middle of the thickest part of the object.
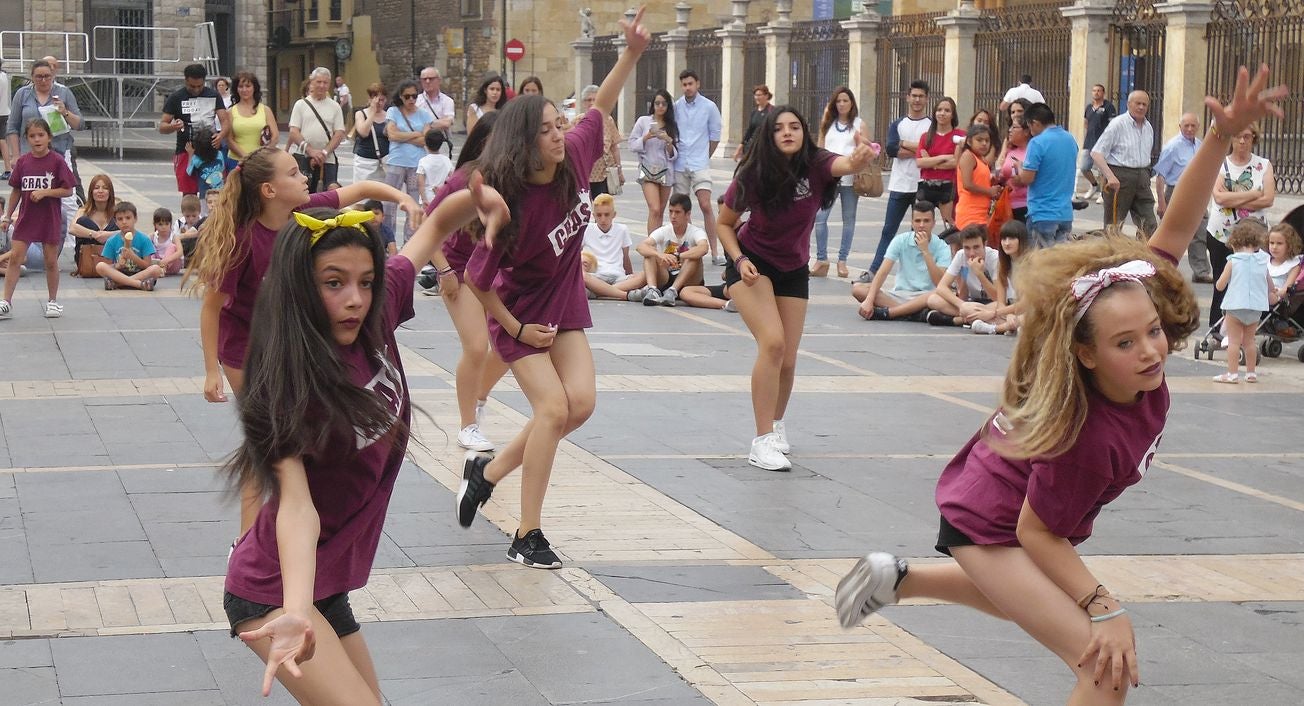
(1136, 59)
(1023, 39)
(910, 47)
(604, 58)
(1246, 32)
(753, 60)
(819, 54)
(650, 74)
(705, 55)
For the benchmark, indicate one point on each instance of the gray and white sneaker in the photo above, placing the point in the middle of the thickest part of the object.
(472, 439)
(53, 310)
(636, 295)
(6, 311)
(781, 432)
(652, 297)
(765, 454)
(982, 327)
(670, 297)
(871, 584)
(718, 260)
(866, 277)
(731, 307)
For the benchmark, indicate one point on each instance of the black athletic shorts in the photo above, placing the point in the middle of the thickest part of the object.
(717, 290)
(948, 536)
(793, 283)
(334, 608)
(938, 191)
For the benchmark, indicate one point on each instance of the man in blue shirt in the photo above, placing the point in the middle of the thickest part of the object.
(1177, 153)
(698, 120)
(1050, 172)
(923, 257)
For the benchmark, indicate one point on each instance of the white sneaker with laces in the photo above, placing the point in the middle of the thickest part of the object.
(781, 432)
(472, 439)
(53, 310)
(6, 311)
(870, 585)
(765, 454)
(982, 327)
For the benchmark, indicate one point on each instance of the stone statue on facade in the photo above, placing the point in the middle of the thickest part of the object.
(586, 23)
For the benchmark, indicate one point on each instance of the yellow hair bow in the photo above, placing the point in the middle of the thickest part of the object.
(346, 219)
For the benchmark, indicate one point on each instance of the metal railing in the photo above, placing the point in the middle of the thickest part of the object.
(1245, 33)
(819, 53)
(25, 46)
(910, 47)
(1023, 39)
(650, 74)
(705, 55)
(1137, 34)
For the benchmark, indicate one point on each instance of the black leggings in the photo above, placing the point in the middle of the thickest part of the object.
(1218, 253)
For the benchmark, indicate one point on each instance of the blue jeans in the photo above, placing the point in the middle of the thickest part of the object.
(849, 200)
(898, 204)
(1049, 233)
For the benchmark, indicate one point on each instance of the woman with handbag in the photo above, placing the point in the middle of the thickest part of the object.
(406, 129)
(653, 139)
(371, 144)
(94, 225)
(317, 127)
(838, 129)
(603, 180)
(253, 124)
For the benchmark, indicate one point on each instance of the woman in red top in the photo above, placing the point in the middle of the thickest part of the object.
(1081, 417)
(937, 159)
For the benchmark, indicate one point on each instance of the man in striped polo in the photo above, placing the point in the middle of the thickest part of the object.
(1122, 154)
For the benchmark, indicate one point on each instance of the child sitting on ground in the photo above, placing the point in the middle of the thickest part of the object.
(672, 255)
(608, 242)
(433, 169)
(973, 272)
(186, 228)
(125, 260)
(924, 259)
(385, 231)
(1008, 316)
(1249, 294)
(167, 253)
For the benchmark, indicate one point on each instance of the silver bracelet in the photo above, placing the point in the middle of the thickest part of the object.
(1108, 616)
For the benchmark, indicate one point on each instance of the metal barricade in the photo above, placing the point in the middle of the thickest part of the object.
(1136, 59)
(1245, 33)
(21, 47)
(650, 74)
(1023, 39)
(819, 54)
(911, 47)
(706, 57)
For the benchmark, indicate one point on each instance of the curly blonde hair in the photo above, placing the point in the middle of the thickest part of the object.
(1045, 392)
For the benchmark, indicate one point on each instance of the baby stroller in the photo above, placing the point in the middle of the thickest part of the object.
(1277, 328)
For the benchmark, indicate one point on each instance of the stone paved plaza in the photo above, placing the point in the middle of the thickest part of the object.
(690, 577)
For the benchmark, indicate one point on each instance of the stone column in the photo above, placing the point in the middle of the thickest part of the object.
(583, 48)
(627, 108)
(961, 58)
(733, 92)
(677, 47)
(1089, 57)
(862, 66)
(1186, 58)
(778, 66)
(251, 29)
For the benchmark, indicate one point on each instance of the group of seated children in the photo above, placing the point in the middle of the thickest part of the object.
(135, 260)
(959, 281)
(673, 269)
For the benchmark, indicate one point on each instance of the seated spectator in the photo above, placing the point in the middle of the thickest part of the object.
(125, 262)
(612, 276)
(672, 255)
(924, 258)
(1008, 316)
(973, 273)
(167, 252)
(186, 228)
(715, 296)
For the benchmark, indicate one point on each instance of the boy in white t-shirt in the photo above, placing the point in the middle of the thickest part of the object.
(973, 273)
(433, 169)
(672, 255)
(609, 242)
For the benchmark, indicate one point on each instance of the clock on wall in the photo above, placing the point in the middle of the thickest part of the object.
(343, 49)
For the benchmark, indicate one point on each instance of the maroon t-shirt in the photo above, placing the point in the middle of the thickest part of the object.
(350, 485)
(39, 221)
(783, 238)
(244, 276)
(542, 280)
(458, 246)
(942, 143)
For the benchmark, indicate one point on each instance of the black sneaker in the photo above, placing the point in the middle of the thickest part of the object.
(533, 551)
(921, 316)
(880, 313)
(427, 280)
(474, 490)
(937, 318)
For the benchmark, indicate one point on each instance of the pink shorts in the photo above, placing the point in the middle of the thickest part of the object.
(186, 183)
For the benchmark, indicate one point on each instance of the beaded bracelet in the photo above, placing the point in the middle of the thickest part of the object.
(739, 260)
(1108, 616)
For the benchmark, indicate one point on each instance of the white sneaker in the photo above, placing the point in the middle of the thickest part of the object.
(781, 432)
(53, 310)
(982, 327)
(870, 585)
(6, 311)
(765, 454)
(472, 439)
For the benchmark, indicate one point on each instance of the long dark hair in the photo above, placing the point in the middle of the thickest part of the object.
(671, 127)
(932, 127)
(298, 399)
(774, 175)
(831, 110)
(511, 153)
(475, 141)
(481, 94)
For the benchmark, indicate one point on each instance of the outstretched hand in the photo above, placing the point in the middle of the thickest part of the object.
(292, 643)
(637, 37)
(1251, 100)
(862, 154)
(490, 207)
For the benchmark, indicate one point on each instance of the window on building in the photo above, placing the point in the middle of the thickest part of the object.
(312, 10)
(336, 11)
(470, 8)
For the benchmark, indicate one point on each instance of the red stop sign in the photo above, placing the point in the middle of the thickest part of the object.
(514, 49)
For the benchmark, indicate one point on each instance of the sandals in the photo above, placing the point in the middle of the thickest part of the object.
(1251, 377)
(842, 269)
(821, 269)
(1228, 378)
(109, 285)
(148, 285)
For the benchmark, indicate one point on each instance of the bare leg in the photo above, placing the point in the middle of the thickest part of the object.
(707, 206)
(51, 253)
(468, 318)
(792, 312)
(331, 676)
(17, 256)
(700, 297)
(656, 205)
(937, 303)
(756, 302)
(1235, 332)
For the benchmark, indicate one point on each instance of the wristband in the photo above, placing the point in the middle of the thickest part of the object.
(1097, 592)
(739, 260)
(445, 271)
(1108, 616)
(1213, 130)
(519, 331)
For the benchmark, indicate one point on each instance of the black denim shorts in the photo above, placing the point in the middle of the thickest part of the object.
(938, 191)
(334, 608)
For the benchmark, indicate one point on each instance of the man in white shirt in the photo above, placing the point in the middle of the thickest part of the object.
(1023, 90)
(317, 125)
(611, 274)
(672, 255)
(1122, 155)
(440, 107)
(343, 96)
(903, 146)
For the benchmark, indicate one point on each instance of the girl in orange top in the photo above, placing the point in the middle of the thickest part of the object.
(975, 179)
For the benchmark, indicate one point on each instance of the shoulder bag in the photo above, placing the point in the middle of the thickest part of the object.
(869, 183)
(305, 164)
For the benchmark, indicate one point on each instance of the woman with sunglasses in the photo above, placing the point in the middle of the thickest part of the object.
(405, 126)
